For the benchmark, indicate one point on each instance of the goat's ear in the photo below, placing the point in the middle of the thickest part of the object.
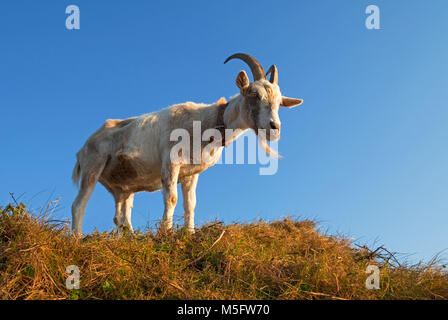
(242, 81)
(290, 102)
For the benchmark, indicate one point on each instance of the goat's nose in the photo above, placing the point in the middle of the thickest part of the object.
(275, 125)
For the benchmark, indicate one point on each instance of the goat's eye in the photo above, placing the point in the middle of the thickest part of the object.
(254, 97)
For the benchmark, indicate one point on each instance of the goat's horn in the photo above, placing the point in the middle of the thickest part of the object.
(274, 74)
(255, 67)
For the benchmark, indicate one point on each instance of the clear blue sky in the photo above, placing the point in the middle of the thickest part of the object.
(366, 154)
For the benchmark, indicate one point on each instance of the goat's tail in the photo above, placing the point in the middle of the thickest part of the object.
(76, 173)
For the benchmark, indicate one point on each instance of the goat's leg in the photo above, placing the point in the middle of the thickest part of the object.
(119, 202)
(170, 174)
(123, 207)
(88, 181)
(189, 196)
(127, 210)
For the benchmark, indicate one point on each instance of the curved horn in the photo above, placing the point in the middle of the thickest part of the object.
(274, 74)
(255, 67)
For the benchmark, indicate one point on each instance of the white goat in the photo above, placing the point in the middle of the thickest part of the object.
(133, 155)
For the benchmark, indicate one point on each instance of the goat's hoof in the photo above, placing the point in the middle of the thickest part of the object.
(124, 231)
(77, 235)
(165, 231)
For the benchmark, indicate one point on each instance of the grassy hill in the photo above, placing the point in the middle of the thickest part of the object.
(279, 260)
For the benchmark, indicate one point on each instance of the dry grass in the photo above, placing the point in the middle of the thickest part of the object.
(280, 260)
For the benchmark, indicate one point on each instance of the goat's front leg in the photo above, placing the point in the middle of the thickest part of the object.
(189, 196)
(170, 174)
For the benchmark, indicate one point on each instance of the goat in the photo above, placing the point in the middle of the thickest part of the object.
(134, 155)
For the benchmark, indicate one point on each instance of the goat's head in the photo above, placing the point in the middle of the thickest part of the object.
(262, 98)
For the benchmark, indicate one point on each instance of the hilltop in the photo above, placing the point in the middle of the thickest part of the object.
(285, 259)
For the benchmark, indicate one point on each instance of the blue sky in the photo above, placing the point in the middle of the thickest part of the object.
(365, 155)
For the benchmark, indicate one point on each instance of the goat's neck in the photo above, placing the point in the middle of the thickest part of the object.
(233, 118)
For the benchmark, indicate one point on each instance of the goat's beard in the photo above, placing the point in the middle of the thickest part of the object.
(263, 136)
(265, 146)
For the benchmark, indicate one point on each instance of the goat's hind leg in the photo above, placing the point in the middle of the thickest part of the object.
(89, 178)
(123, 207)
